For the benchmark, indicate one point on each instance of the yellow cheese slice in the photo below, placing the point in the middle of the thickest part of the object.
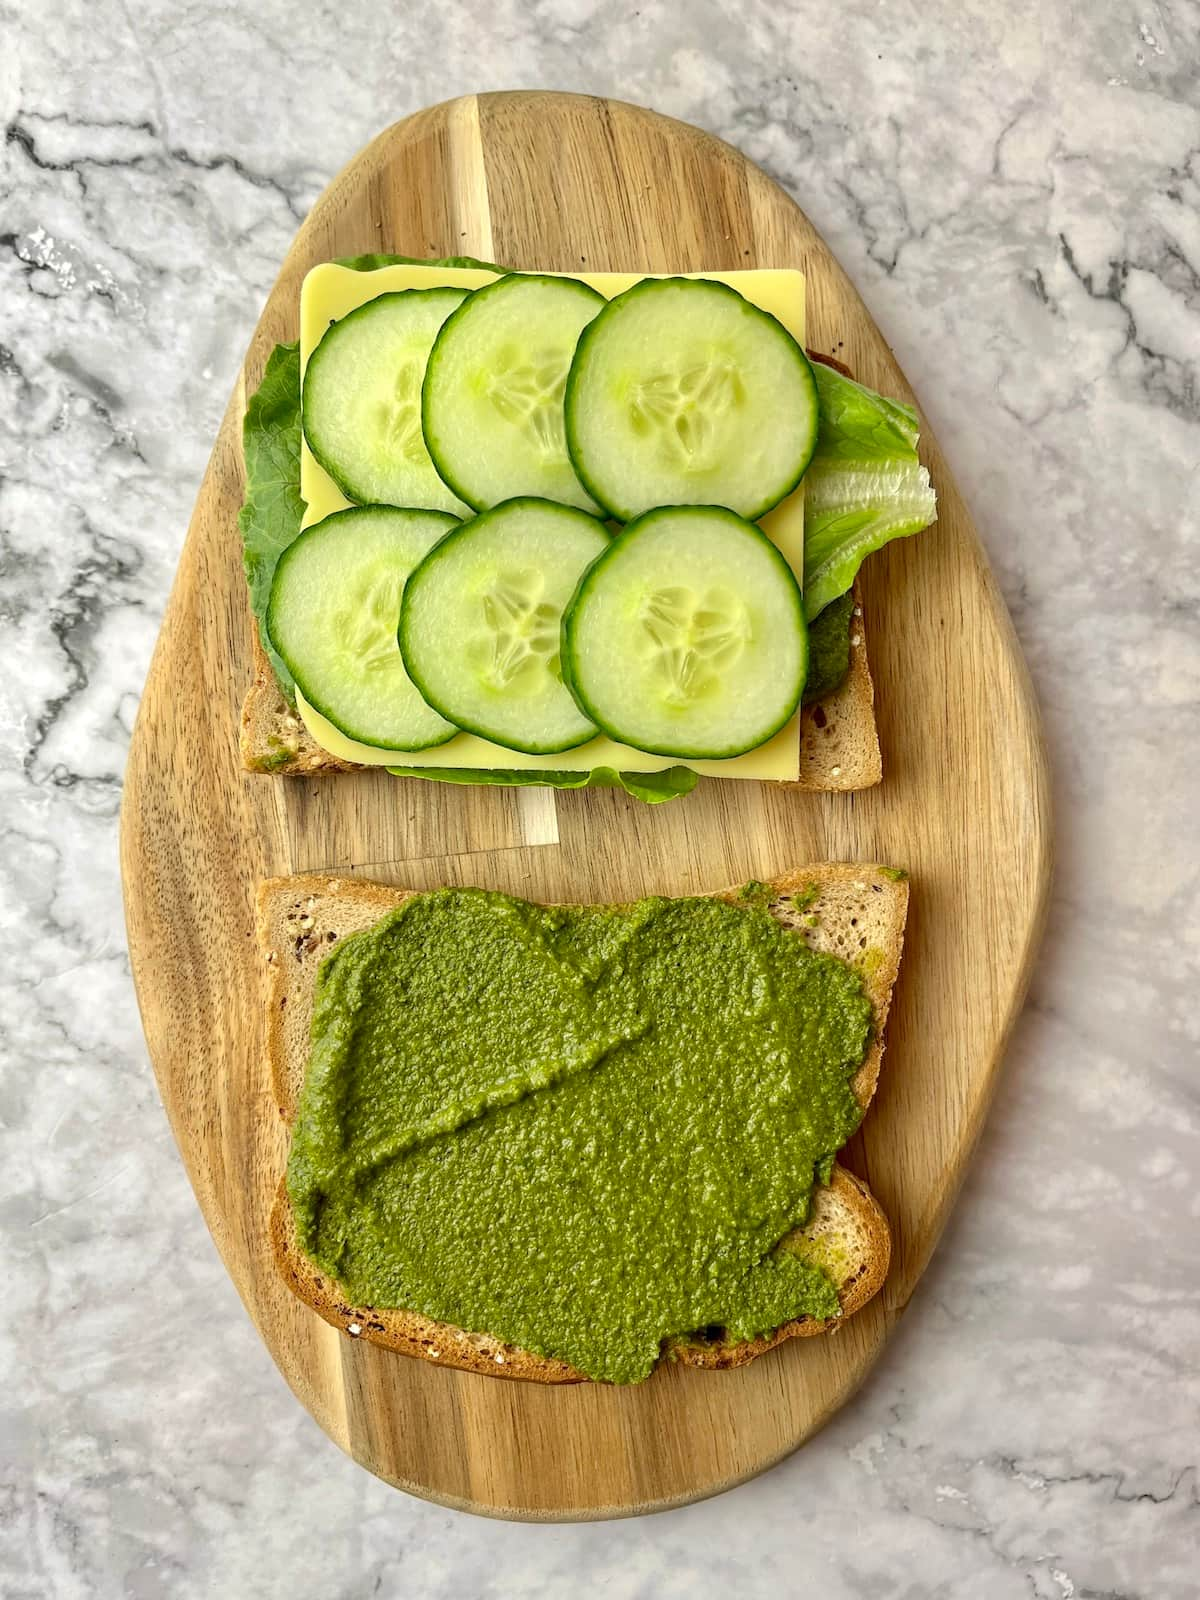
(467, 750)
(329, 293)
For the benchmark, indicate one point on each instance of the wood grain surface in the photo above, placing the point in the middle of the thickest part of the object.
(565, 181)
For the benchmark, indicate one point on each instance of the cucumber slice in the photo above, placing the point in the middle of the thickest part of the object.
(335, 603)
(683, 393)
(481, 619)
(361, 402)
(687, 637)
(491, 407)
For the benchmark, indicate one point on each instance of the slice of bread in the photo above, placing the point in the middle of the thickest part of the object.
(855, 912)
(839, 744)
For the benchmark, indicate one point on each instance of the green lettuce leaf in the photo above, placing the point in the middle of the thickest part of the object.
(652, 787)
(865, 485)
(369, 263)
(272, 510)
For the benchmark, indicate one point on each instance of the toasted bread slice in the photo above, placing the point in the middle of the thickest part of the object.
(855, 912)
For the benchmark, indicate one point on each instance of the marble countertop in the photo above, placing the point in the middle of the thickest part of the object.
(1016, 191)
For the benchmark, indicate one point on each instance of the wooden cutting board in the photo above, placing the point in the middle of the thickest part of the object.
(569, 182)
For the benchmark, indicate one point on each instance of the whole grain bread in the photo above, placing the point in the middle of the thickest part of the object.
(855, 912)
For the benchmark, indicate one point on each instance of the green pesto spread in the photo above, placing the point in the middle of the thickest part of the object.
(581, 1130)
(828, 648)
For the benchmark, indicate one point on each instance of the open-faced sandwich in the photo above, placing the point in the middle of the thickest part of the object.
(531, 528)
(566, 1143)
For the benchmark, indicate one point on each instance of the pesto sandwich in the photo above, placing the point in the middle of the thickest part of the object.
(566, 1143)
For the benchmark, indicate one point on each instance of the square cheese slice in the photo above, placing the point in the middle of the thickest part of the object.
(330, 292)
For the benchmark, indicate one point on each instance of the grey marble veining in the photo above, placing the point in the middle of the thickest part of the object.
(1016, 190)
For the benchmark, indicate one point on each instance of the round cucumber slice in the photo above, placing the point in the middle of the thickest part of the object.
(687, 637)
(335, 603)
(361, 400)
(683, 393)
(492, 403)
(480, 623)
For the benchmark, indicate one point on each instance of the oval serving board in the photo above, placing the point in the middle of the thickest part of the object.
(566, 181)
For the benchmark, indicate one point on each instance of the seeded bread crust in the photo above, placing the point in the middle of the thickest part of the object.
(855, 912)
